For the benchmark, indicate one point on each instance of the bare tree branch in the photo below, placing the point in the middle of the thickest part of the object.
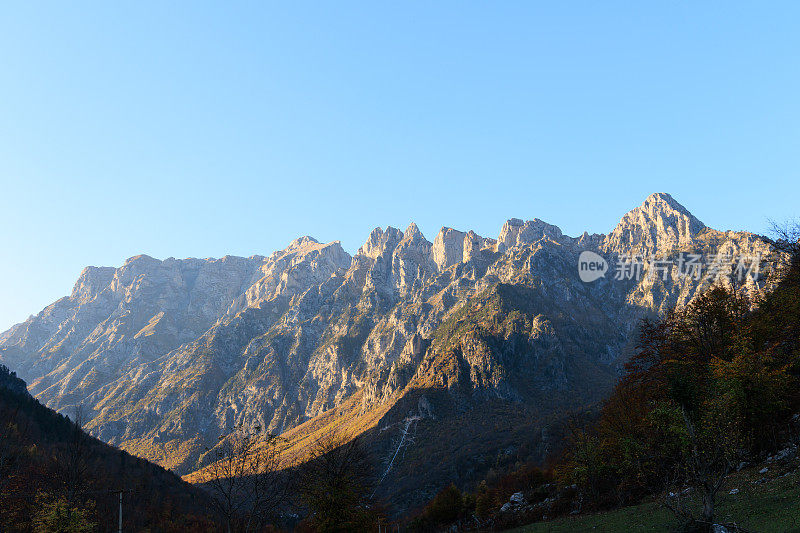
(244, 479)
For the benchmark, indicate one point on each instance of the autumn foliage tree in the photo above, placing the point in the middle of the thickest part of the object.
(703, 391)
(336, 486)
(244, 479)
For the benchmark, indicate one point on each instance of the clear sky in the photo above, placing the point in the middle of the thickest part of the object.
(199, 129)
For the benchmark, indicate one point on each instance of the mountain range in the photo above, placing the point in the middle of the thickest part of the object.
(444, 355)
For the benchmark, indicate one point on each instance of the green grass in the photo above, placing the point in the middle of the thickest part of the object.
(769, 507)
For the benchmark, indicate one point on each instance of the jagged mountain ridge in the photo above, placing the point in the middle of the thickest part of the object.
(168, 354)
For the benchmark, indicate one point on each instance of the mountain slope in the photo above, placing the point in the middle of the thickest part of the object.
(167, 355)
(39, 451)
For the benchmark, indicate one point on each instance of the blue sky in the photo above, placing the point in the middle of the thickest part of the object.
(201, 129)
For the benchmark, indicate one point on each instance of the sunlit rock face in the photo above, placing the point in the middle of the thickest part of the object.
(166, 355)
(660, 224)
(448, 247)
(515, 232)
(412, 261)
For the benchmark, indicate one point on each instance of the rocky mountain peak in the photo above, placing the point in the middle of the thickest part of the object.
(412, 259)
(475, 245)
(448, 247)
(515, 232)
(301, 242)
(91, 281)
(665, 201)
(659, 223)
(380, 242)
(413, 233)
(299, 250)
(141, 259)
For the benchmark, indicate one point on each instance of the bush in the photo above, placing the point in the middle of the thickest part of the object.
(447, 507)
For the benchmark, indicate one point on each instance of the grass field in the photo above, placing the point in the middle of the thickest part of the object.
(764, 507)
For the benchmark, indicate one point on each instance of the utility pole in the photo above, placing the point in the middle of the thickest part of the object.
(120, 491)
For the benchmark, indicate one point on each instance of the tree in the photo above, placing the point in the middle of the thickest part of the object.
(244, 479)
(696, 359)
(8, 450)
(446, 508)
(61, 516)
(684, 349)
(787, 238)
(11, 434)
(693, 400)
(73, 462)
(335, 484)
(10, 455)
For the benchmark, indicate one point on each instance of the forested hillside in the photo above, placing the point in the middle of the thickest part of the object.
(55, 477)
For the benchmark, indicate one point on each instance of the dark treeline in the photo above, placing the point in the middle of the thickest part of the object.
(56, 478)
